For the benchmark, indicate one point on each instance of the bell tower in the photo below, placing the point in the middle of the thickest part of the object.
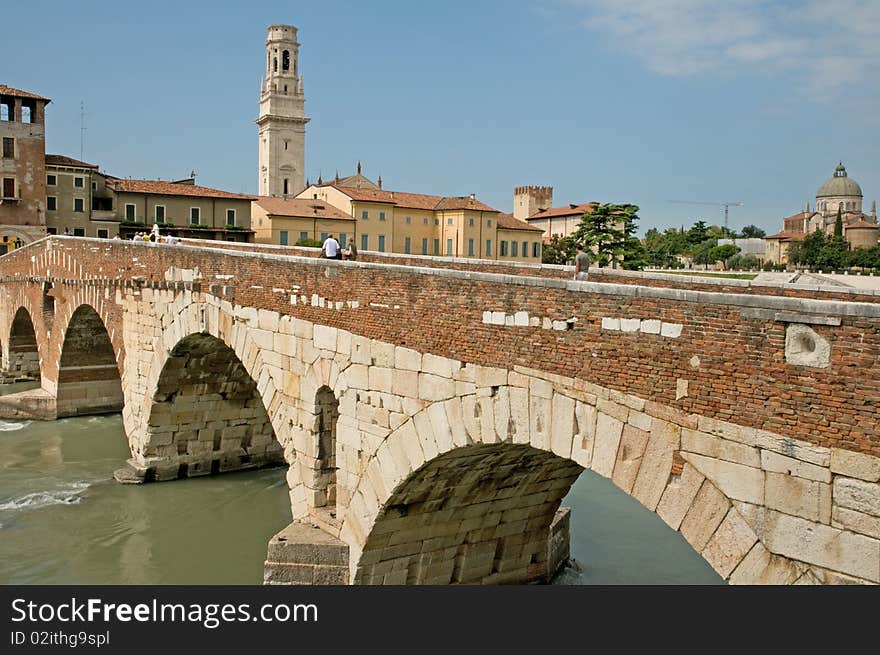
(282, 121)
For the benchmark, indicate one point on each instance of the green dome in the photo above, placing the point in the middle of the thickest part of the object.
(839, 185)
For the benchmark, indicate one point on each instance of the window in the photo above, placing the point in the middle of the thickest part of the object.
(342, 240)
(160, 213)
(365, 242)
(8, 187)
(449, 247)
(94, 186)
(286, 185)
(8, 147)
(365, 215)
(285, 142)
(230, 217)
(514, 249)
(381, 243)
(470, 247)
(285, 60)
(79, 232)
(408, 220)
(471, 222)
(282, 238)
(51, 230)
(424, 246)
(406, 245)
(27, 114)
(323, 237)
(51, 180)
(436, 221)
(78, 205)
(195, 215)
(381, 216)
(303, 235)
(51, 203)
(503, 252)
(79, 182)
(436, 246)
(449, 221)
(129, 212)
(536, 249)
(489, 223)
(425, 220)
(525, 248)
(103, 233)
(5, 111)
(488, 247)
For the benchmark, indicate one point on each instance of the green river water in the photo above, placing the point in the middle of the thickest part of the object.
(63, 520)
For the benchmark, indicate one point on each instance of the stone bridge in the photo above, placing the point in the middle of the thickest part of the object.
(433, 413)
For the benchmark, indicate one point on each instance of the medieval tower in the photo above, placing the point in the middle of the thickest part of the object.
(282, 118)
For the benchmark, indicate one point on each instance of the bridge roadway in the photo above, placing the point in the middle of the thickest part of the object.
(432, 413)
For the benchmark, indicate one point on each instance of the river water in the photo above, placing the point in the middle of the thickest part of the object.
(63, 520)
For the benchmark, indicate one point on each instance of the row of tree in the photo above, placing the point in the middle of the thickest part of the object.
(609, 231)
(831, 251)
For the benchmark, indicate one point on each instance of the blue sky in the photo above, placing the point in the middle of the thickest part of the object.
(641, 101)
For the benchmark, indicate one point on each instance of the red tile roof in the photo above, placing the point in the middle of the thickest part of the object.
(159, 187)
(301, 208)
(567, 210)
(508, 222)
(862, 224)
(62, 160)
(413, 200)
(18, 93)
(787, 236)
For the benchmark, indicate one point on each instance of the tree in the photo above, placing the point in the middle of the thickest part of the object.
(635, 257)
(721, 253)
(560, 250)
(752, 232)
(838, 225)
(607, 229)
(698, 233)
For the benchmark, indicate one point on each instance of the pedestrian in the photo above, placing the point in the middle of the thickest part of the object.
(351, 252)
(66, 232)
(169, 240)
(330, 249)
(581, 264)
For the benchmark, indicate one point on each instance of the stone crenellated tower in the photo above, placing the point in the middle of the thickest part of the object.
(529, 200)
(282, 118)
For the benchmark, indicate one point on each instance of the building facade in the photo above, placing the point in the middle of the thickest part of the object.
(285, 221)
(282, 120)
(424, 224)
(78, 200)
(22, 167)
(840, 193)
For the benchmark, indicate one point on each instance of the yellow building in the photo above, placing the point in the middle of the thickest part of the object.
(424, 224)
(285, 221)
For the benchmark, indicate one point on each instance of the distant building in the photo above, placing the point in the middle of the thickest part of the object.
(534, 204)
(78, 199)
(282, 120)
(418, 223)
(751, 246)
(22, 167)
(838, 193)
(287, 220)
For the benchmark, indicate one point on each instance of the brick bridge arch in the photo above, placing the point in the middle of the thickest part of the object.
(21, 353)
(732, 412)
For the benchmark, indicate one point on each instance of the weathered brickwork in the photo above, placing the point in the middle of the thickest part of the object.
(446, 442)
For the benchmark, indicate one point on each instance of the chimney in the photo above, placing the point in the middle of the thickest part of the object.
(380, 181)
(472, 196)
(359, 168)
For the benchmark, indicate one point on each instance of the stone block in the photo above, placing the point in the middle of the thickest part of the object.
(857, 494)
(405, 383)
(629, 457)
(656, 463)
(440, 366)
(848, 519)
(630, 324)
(639, 420)
(540, 421)
(381, 353)
(704, 516)
(855, 465)
(710, 445)
(380, 379)
(729, 545)
(611, 408)
(771, 461)
(486, 376)
(433, 387)
(610, 323)
(608, 432)
(519, 415)
(736, 481)
(679, 495)
(822, 545)
(805, 347)
(563, 430)
(671, 330)
(407, 360)
(794, 448)
(761, 567)
(650, 326)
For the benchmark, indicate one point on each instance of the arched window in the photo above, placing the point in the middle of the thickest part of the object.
(285, 60)
(275, 64)
(285, 186)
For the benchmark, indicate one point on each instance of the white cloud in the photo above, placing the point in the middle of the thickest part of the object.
(826, 43)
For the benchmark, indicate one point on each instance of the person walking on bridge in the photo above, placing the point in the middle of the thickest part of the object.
(581, 264)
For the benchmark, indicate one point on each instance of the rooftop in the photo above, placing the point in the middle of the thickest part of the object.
(300, 208)
(508, 222)
(413, 200)
(18, 93)
(565, 210)
(62, 160)
(159, 187)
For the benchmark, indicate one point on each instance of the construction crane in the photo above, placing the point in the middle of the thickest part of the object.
(716, 204)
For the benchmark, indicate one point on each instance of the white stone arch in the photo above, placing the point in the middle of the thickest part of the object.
(586, 434)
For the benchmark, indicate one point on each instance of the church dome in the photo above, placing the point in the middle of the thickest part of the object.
(839, 185)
